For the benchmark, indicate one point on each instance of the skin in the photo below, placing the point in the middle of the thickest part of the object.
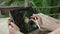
(13, 29)
(56, 31)
(49, 27)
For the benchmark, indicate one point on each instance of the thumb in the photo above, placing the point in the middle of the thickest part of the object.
(14, 26)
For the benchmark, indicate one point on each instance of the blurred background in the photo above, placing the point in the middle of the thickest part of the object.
(49, 7)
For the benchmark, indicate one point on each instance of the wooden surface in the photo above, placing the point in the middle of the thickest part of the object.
(4, 26)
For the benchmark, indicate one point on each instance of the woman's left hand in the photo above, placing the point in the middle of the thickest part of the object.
(13, 29)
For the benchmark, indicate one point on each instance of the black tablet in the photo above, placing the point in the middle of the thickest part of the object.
(21, 18)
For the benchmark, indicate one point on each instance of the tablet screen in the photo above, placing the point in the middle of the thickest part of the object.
(21, 19)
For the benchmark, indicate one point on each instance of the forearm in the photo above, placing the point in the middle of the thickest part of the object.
(57, 31)
(19, 32)
(49, 27)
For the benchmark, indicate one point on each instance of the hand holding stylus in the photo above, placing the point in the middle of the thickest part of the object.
(36, 18)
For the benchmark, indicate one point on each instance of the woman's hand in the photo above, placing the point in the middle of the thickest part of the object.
(38, 19)
(13, 29)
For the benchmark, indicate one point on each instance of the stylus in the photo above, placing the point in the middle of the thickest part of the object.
(37, 23)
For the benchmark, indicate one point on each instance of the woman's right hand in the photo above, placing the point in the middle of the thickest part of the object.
(38, 19)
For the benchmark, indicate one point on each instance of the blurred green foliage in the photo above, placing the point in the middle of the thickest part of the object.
(36, 3)
(6, 16)
(46, 3)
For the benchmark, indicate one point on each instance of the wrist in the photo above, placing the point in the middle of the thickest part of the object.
(18, 32)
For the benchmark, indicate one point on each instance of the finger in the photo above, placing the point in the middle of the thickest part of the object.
(10, 27)
(9, 21)
(11, 30)
(38, 18)
(33, 20)
(35, 15)
(14, 26)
